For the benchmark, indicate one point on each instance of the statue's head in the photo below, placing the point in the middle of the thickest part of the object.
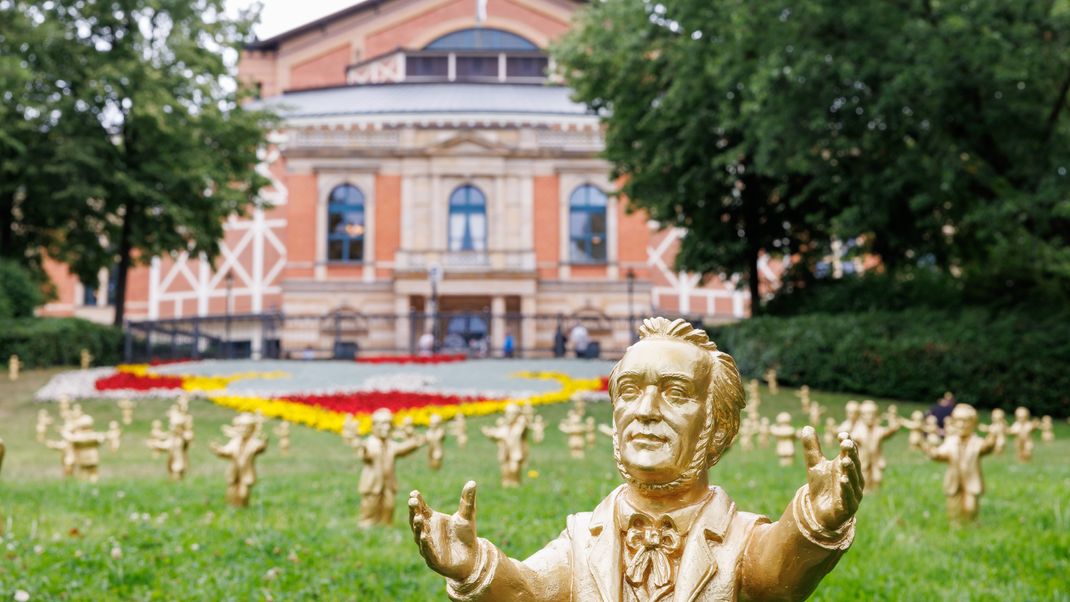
(1021, 414)
(245, 425)
(852, 409)
(868, 412)
(676, 405)
(917, 415)
(435, 420)
(998, 414)
(382, 422)
(512, 411)
(783, 419)
(965, 418)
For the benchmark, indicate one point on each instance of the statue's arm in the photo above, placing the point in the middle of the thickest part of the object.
(786, 560)
(544, 577)
(989, 444)
(408, 446)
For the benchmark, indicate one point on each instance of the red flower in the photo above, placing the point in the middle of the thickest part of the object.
(125, 380)
(369, 401)
(411, 359)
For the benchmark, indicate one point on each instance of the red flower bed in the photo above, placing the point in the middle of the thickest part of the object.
(369, 401)
(165, 362)
(605, 384)
(125, 380)
(412, 359)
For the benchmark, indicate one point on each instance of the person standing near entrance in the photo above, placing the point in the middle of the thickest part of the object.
(509, 345)
(580, 339)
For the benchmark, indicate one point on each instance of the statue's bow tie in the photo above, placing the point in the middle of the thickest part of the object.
(650, 546)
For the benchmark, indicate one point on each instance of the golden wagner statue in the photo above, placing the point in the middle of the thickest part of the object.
(43, 422)
(511, 434)
(435, 434)
(998, 427)
(785, 435)
(460, 430)
(126, 408)
(665, 534)
(175, 443)
(576, 431)
(378, 485)
(282, 433)
(1022, 428)
(84, 447)
(963, 450)
(242, 449)
(870, 436)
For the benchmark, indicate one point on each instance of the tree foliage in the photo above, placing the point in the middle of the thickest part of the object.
(127, 137)
(930, 132)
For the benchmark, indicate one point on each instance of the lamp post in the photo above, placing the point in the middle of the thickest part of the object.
(631, 308)
(229, 280)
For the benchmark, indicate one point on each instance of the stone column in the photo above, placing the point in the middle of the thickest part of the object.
(497, 323)
(401, 323)
(527, 340)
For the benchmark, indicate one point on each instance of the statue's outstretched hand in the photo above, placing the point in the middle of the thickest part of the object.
(836, 484)
(447, 541)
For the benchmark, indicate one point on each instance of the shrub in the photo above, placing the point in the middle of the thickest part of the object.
(987, 357)
(19, 293)
(45, 342)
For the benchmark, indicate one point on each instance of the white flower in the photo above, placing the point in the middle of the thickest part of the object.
(22, 596)
(38, 549)
(194, 547)
(271, 574)
(116, 552)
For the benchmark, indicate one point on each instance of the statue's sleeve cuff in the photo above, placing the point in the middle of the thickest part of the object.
(830, 539)
(477, 583)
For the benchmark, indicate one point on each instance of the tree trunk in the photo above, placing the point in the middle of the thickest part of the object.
(7, 219)
(754, 281)
(122, 270)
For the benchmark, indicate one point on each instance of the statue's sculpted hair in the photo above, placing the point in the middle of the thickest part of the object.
(725, 399)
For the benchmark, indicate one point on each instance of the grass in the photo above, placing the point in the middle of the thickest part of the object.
(298, 540)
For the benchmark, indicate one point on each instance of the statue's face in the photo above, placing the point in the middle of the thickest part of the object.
(659, 407)
(381, 428)
(852, 411)
(965, 423)
(869, 415)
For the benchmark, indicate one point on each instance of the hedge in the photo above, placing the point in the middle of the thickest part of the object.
(45, 342)
(987, 357)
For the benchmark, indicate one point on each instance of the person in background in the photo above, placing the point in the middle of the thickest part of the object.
(426, 344)
(942, 409)
(580, 339)
(509, 346)
(560, 342)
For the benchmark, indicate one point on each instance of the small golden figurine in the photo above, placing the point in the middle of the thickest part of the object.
(851, 410)
(754, 394)
(804, 398)
(592, 429)
(115, 436)
(932, 430)
(511, 434)
(241, 450)
(538, 429)
(607, 430)
(13, 366)
(378, 485)
(870, 437)
(747, 429)
(126, 407)
(1022, 429)
(963, 450)
(435, 435)
(282, 433)
(460, 430)
(916, 426)
(814, 415)
(86, 359)
(64, 407)
(576, 431)
(1047, 429)
(43, 422)
(406, 431)
(785, 435)
(85, 447)
(350, 431)
(665, 534)
(175, 443)
(829, 436)
(998, 427)
(579, 405)
(156, 433)
(763, 432)
(771, 382)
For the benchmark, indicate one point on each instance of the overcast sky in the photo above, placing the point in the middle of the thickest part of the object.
(282, 15)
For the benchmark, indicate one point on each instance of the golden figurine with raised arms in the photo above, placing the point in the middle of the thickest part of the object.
(665, 534)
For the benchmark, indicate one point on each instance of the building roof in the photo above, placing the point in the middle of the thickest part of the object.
(416, 98)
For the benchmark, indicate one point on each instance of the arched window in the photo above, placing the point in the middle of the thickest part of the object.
(587, 224)
(481, 38)
(468, 219)
(345, 224)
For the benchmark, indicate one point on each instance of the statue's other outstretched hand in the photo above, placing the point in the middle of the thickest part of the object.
(447, 541)
(836, 484)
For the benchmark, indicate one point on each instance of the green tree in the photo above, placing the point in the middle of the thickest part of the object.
(932, 132)
(145, 124)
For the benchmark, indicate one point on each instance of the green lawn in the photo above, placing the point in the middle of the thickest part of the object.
(138, 536)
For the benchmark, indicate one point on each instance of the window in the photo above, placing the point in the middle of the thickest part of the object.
(481, 38)
(526, 66)
(475, 67)
(427, 66)
(587, 225)
(345, 224)
(89, 293)
(468, 219)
